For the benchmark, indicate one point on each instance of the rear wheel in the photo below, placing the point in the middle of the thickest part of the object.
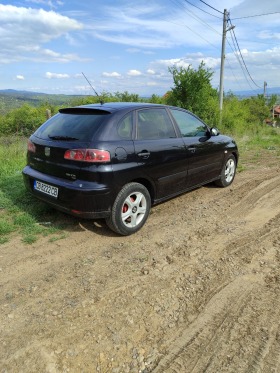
(228, 172)
(130, 209)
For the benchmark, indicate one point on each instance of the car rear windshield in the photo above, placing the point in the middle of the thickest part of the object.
(71, 126)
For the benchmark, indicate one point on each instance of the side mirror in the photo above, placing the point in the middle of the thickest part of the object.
(214, 131)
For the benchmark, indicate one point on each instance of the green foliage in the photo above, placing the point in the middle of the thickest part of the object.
(193, 91)
(22, 121)
(86, 100)
(155, 99)
(242, 116)
(257, 108)
(127, 97)
(272, 100)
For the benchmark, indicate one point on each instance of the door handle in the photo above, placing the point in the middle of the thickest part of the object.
(144, 154)
(192, 150)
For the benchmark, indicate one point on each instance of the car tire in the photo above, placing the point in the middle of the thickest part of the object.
(130, 209)
(228, 172)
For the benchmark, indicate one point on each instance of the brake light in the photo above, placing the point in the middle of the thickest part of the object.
(88, 155)
(31, 147)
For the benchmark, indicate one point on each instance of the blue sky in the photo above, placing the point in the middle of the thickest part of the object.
(45, 45)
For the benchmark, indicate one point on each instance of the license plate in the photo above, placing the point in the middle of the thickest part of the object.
(45, 188)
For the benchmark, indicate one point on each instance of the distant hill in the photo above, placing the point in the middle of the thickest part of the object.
(269, 92)
(11, 99)
(13, 92)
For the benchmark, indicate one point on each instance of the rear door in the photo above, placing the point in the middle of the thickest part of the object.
(204, 152)
(161, 155)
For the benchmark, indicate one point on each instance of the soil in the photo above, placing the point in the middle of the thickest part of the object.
(197, 289)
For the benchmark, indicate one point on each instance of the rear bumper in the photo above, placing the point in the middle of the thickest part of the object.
(80, 198)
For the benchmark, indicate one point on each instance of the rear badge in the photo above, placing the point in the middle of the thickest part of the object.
(47, 151)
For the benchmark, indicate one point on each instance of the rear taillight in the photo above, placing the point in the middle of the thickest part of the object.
(31, 147)
(88, 155)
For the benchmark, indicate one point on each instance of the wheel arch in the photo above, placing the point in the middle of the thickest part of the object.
(148, 185)
(235, 154)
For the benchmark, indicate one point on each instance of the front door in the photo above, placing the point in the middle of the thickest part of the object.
(204, 152)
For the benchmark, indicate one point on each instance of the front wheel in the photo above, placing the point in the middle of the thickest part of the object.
(130, 209)
(228, 172)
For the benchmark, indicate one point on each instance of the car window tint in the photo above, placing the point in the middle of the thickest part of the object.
(79, 126)
(125, 126)
(154, 123)
(189, 125)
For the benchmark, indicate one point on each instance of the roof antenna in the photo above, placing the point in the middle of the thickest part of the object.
(101, 101)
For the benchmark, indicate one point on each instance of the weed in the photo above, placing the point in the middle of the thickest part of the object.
(29, 239)
(59, 237)
(3, 240)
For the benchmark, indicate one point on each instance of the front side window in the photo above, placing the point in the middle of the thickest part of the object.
(189, 125)
(154, 123)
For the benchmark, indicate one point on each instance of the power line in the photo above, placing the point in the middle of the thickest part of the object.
(242, 57)
(197, 18)
(193, 15)
(236, 49)
(257, 15)
(202, 9)
(211, 7)
(239, 59)
(231, 69)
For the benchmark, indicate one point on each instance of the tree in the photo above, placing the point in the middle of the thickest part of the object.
(193, 91)
(127, 97)
(257, 108)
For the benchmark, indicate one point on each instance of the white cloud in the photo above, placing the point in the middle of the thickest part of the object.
(148, 26)
(266, 34)
(56, 76)
(50, 3)
(20, 77)
(24, 31)
(134, 73)
(150, 71)
(112, 75)
(152, 84)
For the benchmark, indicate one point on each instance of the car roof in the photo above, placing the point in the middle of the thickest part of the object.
(111, 107)
(115, 106)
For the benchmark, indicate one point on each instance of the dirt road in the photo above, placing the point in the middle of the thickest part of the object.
(196, 290)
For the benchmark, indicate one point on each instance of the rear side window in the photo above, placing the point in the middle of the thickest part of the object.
(125, 126)
(154, 124)
(189, 125)
(70, 126)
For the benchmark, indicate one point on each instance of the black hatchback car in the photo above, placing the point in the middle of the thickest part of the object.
(115, 160)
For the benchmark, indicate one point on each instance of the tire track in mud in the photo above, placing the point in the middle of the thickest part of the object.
(190, 353)
(238, 328)
(261, 190)
(265, 348)
(237, 331)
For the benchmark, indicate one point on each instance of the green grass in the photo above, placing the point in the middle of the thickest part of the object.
(264, 141)
(20, 213)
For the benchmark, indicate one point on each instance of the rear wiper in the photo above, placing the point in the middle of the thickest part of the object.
(62, 138)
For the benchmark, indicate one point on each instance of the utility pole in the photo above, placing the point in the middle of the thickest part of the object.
(264, 89)
(221, 92)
